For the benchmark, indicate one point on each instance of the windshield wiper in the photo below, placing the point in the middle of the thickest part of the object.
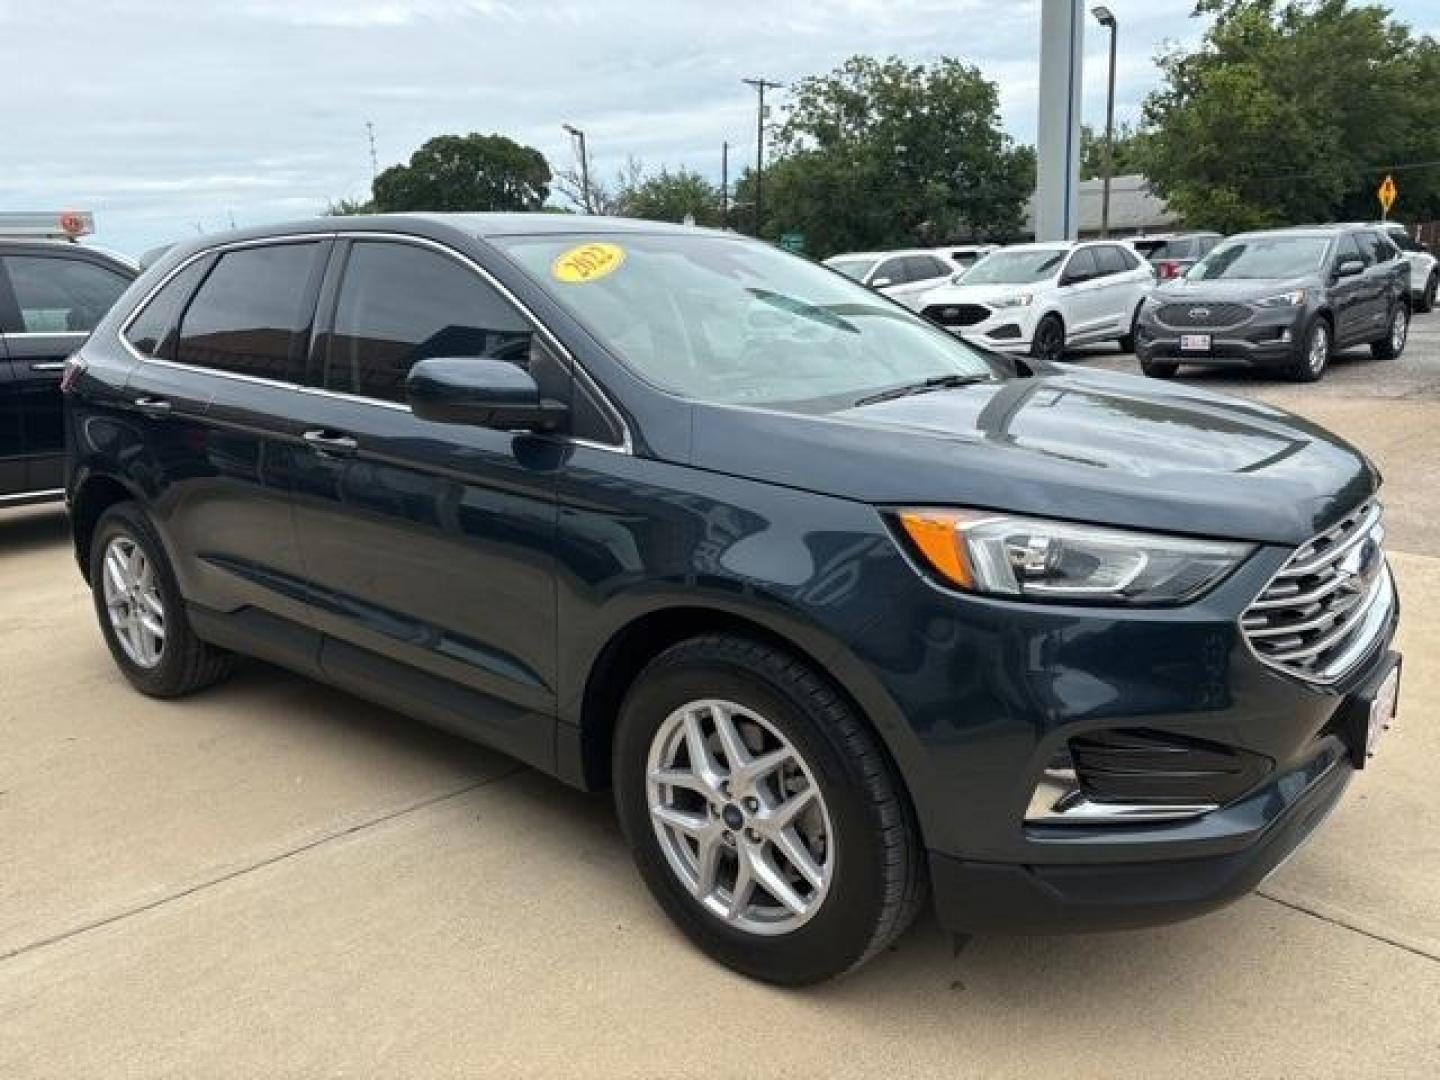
(935, 382)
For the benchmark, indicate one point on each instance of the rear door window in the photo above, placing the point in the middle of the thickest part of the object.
(1381, 249)
(56, 294)
(1109, 260)
(251, 316)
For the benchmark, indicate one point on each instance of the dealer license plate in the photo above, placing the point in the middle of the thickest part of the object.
(1194, 342)
(1382, 709)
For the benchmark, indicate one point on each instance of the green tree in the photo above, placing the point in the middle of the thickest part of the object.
(882, 153)
(1092, 151)
(350, 207)
(1290, 112)
(466, 172)
(669, 196)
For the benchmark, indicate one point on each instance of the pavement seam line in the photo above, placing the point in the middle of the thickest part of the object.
(1333, 921)
(309, 845)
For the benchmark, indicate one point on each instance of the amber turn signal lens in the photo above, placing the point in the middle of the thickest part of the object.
(936, 535)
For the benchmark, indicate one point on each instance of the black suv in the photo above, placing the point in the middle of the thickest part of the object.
(52, 294)
(843, 608)
(1284, 299)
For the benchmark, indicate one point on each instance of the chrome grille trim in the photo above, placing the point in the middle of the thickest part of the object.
(1323, 610)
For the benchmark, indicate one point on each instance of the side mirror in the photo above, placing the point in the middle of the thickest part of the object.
(482, 392)
(881, 282)
(1349, 266)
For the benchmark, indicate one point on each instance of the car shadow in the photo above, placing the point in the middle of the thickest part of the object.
(33, 528)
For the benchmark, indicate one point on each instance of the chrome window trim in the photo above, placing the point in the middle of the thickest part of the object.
(626, 445)
(8, 334)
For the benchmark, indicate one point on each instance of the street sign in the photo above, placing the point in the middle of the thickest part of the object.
(1386, 193)
(793, 241)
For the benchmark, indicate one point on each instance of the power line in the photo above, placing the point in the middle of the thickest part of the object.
(761, 85)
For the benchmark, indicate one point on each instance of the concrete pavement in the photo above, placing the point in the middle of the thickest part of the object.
(273, 879)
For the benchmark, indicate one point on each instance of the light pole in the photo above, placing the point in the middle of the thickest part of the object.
(724, 185)
(1106, 18)
(761, 85)
(579, 137)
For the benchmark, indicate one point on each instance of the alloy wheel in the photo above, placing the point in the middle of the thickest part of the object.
(739, 817)
(1319, 348)
(1399, 328)
(133, 602)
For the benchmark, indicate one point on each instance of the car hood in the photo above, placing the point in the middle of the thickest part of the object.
(1081, 445)
(977, 294)
(1186, 290)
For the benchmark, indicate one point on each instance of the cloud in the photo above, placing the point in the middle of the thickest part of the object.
(165, 115)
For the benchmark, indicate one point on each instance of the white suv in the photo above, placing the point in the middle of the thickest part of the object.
(901, 275)
(1042, 298)
(1424, 270)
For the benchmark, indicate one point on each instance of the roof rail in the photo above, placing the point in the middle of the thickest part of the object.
(46, 224)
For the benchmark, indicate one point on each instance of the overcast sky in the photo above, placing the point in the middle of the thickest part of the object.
(168, 117)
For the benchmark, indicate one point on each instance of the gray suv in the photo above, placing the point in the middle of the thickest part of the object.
(1284, 299)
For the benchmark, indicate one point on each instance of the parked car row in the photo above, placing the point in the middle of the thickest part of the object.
(1282, 299)
(53, 292)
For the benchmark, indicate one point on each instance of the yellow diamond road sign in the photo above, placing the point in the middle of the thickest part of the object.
(1387, 192)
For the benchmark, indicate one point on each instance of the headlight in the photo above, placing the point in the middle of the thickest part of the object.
(1023, 299)
(1289, 299)
(1003, 555)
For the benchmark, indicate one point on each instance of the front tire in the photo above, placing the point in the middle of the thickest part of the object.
(1314, 354)
(1159, 369)
(1048, 341)
(762, 812)
(1396, 334)
(1127, 341)
(141, 612)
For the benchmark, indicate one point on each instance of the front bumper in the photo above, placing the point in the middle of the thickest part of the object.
(1006, 329)
(973, 896)
(1267, 338)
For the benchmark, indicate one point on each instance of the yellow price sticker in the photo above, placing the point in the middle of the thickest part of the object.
(588, 262)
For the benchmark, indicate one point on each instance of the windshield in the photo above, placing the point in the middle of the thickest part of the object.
(1016, 267)
(1262, 257)
(733, 321)
(855, 267)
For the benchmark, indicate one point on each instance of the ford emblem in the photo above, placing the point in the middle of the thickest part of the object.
(1199, 313)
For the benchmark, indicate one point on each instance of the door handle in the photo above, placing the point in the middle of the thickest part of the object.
(330, 443)
(154, 407)
(48, 365)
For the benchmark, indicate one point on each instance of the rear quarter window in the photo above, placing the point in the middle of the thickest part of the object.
(152, 330)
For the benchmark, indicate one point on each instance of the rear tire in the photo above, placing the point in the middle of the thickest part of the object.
(865, 879)
(141, 612)
(1397, 332)
(1314, 353)
(1048, 341)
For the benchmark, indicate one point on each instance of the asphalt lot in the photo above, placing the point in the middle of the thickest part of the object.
(274, 879)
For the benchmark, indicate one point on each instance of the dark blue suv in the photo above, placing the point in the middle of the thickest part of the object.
(845, 610)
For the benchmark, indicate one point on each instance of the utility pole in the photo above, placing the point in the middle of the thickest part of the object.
(374, 158)
(761, 85)
(579, 137)
(1107, 19)
(724, 185)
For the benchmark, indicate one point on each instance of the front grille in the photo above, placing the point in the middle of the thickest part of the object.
(1138, 766)
(1322, 612)
(957, 314)
(1200, 314)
